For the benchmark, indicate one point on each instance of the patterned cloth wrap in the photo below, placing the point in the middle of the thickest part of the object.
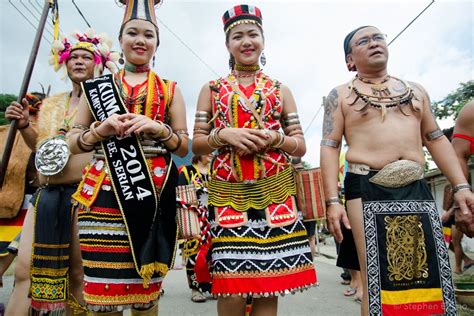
(112, 280)
(259, 244)
(53, 213)
(407, 260)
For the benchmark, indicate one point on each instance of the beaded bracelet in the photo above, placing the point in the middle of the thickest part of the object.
(81, 127)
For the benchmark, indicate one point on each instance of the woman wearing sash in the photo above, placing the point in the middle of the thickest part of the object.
(259, 245)
(127, 198)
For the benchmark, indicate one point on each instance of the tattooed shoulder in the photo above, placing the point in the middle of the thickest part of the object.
(330, 105)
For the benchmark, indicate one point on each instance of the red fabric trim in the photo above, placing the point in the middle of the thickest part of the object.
(414, 309)
(118, 249)
(105, 210)
(271, 284)
(92, 288)
(468, 138)
(201, 268)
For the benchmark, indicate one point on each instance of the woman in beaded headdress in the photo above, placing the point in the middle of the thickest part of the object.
(127, 198)
(49, 259)
(259, 245)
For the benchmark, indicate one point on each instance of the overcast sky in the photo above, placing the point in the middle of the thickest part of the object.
(303, 45)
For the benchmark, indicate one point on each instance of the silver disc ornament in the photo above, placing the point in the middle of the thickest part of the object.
(52, 156)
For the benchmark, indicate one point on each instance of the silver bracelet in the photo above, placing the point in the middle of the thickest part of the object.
(461, 187)
(333, 200)
(330, 143)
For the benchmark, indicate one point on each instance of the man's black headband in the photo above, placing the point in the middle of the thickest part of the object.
(349, 37)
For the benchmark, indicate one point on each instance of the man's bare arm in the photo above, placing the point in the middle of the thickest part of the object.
(333, 128)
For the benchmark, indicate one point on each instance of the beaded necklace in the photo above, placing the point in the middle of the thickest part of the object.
(383, 102)
(246, 67)
(377, 88)
(66, 126)
(248, 75)
(137, 69)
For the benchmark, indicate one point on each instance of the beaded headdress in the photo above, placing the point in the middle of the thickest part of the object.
(241, 14)
(98, 45)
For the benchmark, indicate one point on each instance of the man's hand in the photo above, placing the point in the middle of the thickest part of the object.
(336, 213)
(464, 210)
(17, 111)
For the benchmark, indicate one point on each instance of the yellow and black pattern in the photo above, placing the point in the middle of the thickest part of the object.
(53, 213)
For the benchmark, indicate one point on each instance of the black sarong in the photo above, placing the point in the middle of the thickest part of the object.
(407, 260)
(53, 212)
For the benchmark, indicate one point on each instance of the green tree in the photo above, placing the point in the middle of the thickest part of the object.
(5, 100)
(454, 102)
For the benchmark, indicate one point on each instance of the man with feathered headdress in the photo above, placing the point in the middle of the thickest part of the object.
(49, 255)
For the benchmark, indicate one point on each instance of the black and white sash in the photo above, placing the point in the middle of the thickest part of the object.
(131, 179)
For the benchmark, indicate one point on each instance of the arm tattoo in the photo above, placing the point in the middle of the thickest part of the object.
(330, 106)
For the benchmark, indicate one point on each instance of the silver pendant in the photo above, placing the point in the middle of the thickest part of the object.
(52, 156)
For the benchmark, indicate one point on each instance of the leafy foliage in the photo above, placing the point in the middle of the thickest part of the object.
(5, 100)
(454, 102)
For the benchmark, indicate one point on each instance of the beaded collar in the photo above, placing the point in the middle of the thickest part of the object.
(137, 69)
(383, 100)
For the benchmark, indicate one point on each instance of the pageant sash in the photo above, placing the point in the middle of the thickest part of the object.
(131, 179)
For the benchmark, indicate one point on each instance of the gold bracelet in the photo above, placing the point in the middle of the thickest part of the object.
(296, 146)
(279, 140)
(213, 140)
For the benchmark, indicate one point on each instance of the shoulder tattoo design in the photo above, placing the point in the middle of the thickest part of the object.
(330, 106)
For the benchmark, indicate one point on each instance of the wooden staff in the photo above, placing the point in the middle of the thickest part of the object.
(24, 86)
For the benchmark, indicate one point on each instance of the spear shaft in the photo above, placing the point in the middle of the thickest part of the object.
(48, 4)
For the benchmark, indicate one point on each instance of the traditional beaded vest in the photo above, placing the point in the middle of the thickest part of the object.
(230, 110)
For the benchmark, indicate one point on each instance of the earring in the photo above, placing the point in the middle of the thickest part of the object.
(153, 61)
(351, 67)
(263, 59)
(231, 62)
(121, 60)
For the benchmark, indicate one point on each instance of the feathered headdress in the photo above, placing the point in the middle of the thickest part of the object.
(99, 45)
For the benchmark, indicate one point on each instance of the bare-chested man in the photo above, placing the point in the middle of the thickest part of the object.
(49, 258)
(386, 122)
